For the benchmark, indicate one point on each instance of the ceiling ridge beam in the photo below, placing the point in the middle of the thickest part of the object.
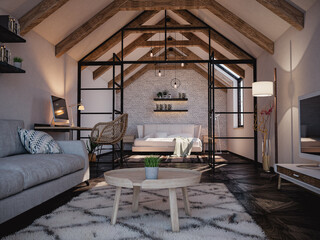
(215, 36)
(39, 13)
(138, 5)
(116, 38)
(240, 25)
(286, 11)
(88, 27)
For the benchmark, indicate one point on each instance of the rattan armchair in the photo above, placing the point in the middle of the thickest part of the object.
(110, 133)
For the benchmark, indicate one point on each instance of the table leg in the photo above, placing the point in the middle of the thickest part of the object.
(174, 210)
(279, 182)
(135, 200)
(186, 201)
(116, 206)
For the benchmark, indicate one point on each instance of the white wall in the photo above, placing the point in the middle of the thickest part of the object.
(243, 147)
(27, 96)
(305, 79)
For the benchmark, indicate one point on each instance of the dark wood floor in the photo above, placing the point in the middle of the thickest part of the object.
(291, 213)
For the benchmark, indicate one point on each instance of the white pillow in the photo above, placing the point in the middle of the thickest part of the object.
(186, 135)
(36, 142)
(160, 135)
(149, 136)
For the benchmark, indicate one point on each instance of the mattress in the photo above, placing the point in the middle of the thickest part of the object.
(162, 142)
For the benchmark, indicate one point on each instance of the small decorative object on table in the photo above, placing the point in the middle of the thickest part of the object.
(159, 94)
(151, 165)
(157, 106)
(180, 95)
(183, 95)
(91, 148)
(166, 107)
(169, 106)
(169, 95)
(17, 62)
(165, 93)
(263, 125)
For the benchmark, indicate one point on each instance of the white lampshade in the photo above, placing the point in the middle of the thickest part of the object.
(262, 89)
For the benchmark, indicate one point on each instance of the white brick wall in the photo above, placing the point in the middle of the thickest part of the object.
(139, 104)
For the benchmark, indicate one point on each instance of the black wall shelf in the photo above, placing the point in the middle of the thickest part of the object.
(170, 110)
(170, 99)
(7, 36)
(8, 68)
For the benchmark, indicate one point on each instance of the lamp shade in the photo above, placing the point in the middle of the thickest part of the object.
(262, 89)
(81, 107)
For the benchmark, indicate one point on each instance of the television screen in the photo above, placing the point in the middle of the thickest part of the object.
(60, 111)
(309, 109)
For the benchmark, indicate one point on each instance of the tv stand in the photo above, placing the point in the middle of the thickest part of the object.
(304, 175)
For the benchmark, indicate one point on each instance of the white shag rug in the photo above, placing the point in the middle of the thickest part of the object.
(216, 214)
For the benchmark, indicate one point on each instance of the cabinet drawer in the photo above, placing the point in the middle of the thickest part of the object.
(299, 176)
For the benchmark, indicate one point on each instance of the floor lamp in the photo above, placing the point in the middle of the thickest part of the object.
(268, 89)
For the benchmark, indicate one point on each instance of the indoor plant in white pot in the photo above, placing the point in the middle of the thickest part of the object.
(17, 62)
(151, 165)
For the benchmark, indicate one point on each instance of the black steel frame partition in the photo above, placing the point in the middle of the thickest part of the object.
(119, 61)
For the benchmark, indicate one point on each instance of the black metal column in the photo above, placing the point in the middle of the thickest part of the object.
(255, 106)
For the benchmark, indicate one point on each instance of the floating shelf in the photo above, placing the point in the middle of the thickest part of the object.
(170, 110)
(8, 68)
(170, 99)
(7, 36)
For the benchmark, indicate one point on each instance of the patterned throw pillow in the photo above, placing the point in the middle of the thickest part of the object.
(38, 142)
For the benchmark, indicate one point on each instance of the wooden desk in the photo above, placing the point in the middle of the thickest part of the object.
(61, 129)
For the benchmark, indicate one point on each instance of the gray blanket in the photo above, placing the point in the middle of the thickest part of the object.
(183, 146)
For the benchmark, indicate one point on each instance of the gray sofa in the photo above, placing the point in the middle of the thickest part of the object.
(27, 180)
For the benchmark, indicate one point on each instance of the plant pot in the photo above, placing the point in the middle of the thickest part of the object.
(92, 157)
(151, 172)
(17, 64)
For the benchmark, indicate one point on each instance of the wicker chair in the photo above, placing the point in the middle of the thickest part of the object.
(110, 133)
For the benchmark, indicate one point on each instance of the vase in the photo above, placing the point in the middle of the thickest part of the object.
(266, 163)
(151, 172)
(92, 157)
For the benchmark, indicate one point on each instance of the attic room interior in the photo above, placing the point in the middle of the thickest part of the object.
(181, 119)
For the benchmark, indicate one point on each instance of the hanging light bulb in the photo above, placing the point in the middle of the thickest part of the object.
(182, 64)
(159, 73)
(175, 85)
(151, 53)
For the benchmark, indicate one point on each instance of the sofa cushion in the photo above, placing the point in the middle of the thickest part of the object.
(40, 168)
(9, 139)
(36, 142)
(11, 182)
(161, 142)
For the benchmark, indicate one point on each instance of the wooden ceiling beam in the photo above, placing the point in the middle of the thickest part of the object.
(138, 5)
(215, 36)
(88, 27)
(286, 11)
(205, 47)
(133, 67)
(126, 51)
(173, 43)
(240, 25)
(37, 14)
(113, 41)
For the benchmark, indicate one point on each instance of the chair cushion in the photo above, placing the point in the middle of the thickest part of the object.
(10, 143)
(11, 182)
(36, 142)
(40, 168)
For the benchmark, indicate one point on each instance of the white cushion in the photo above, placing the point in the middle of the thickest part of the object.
(140, 131)
(36, 142)
(161, 142)
(160, 135)
(149, 136)
(170, 129)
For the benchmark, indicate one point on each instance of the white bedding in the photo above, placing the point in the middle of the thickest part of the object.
(161, 142)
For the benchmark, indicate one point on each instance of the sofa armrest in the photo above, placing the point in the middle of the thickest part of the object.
(77, 148)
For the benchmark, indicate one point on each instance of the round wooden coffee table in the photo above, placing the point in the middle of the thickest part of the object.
(170, 178)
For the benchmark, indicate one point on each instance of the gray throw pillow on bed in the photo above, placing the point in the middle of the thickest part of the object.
(36, 142)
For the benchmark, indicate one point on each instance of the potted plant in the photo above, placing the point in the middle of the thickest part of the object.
(17, 62)
(159, 94)
(91, 148)
(151, 165)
